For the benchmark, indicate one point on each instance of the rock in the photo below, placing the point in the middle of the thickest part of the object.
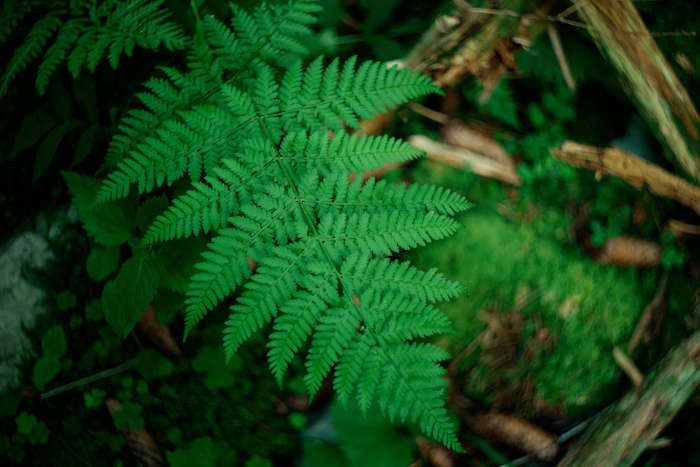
(20, 300)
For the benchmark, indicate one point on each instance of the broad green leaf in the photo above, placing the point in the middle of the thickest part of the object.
(47, 148)
(107, 223)
(53, 343)
(45, 369)
(125, 298)
(101, 262)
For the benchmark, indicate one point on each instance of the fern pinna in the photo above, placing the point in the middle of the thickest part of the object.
(270, 162)
(83, 32)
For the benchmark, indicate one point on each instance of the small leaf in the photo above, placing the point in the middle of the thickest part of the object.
(86, 141)
(125, 298)
(26, 423)
(32, 128)
(101, 262)
(45, 369)
(95, 398)
(47, 148)
(107, 223)
(198, 452)
(66, 300)
(93, 311)
(151, 365)
(53, 343)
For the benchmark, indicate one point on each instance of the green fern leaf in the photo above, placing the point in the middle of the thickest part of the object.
(270, 163)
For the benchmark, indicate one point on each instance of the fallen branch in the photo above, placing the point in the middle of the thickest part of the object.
(621, 434)
(630, 251)
(468, 43)
(681, 229)
(628, 367)
(648, 77)
(159, 334)
(514, 432)
(464, 159)
(458, 134)
(561, 57)
(651, 318)
(633, 170)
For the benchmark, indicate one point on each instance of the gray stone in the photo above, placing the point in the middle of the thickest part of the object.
(21, 301)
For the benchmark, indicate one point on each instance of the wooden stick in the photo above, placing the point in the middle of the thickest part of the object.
(620, 435)
(651, 317)
(561, 58)
(464, 159)
(628, 367)
(630, 168)
(515, 432)
(648, 77)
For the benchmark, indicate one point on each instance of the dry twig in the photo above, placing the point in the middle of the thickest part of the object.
(628, 367)
(515, 432)
(651, 318)
(159, 334)
(621, 434)
(630, 251)
(630, 168)
(648, 77)
(464, 159)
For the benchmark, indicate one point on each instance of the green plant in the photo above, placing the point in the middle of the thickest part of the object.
(264, 144)
(84, 31)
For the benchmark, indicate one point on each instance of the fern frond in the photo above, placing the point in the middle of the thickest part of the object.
(40, 33)
(421, 399)
(272, 285)
(384, 232)
(223, 269)
(269, 162)
(11, 13)
(361, 272)
(225, 263)
(296, 323)
(207, 206)
(353, 153)
(89, 30)
(67, 35)
(330, 339)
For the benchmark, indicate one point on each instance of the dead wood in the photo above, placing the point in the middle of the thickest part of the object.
(515, 432)
(620, 435)
(465, 159)
(650, 320)
(632, 169)
(466, 43)
(159, 334)
(630, 251)
(623, 38)
(473, 139)
(434, 454)
(628, 367)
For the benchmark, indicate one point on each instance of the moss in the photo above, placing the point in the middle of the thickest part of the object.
(579, 310)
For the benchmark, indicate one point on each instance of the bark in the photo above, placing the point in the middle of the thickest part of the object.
(630, 251)
(633, 170)
(515, 432)
(159, 334)
(623, 38)
(466, 42)
(622, 433)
